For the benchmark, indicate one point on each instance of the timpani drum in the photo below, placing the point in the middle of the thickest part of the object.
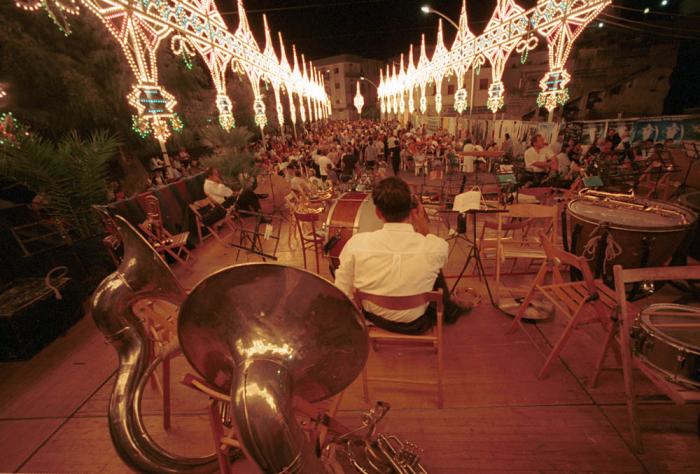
(613, 229)
(666, 337)
(352, 213)
(692, 201)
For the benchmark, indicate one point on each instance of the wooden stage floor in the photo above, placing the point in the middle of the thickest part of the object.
(498, 417)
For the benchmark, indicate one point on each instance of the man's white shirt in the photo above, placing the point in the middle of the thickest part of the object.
(393, 261)
(532, 156)
(217, 192)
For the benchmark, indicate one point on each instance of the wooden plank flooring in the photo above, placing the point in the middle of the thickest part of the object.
(498, 416)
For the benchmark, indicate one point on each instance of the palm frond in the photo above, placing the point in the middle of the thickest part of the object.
(71, 175)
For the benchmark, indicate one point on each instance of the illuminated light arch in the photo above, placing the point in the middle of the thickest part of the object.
(139, 26)
(411, 89)
(463, 38)
(511, 28)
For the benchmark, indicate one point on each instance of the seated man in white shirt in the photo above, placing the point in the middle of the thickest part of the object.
(217, 191)
(224, 196)
(397, 260)
(537, 158)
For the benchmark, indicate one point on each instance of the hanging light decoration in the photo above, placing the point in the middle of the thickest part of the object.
(359, 101)
(511, 28)
(195, 27)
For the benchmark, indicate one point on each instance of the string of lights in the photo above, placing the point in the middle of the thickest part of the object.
(647, 31)
(511, 28)
(196, 26)
(648, 11)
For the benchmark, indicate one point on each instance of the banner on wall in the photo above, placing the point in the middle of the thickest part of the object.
(657, 129)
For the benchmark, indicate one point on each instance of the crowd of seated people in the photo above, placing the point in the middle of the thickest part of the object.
(181, 165)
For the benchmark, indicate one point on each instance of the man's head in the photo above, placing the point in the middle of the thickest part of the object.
(214, 174)
(393, 200)
(507, 136)
(538, 141)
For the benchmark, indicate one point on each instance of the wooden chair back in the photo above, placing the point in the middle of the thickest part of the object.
(680, 395)
(307, 217)
(398, 303)
(558, 258)
(308, 237)
(151, 206)
(434, 339)
(636, 275)
(548, 214)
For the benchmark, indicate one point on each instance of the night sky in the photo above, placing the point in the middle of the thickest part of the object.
(372, 28)
(379, 29)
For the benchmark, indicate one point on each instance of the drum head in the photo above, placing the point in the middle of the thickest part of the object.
(677, 324)
(367, 220)
(634, 219)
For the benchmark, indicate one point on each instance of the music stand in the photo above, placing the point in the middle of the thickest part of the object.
(476, 254)
(470, 204)
(251, 239)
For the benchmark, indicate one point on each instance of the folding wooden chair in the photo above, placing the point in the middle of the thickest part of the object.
(112, 242)
(680, 395)
(212, 228)
(163, 241)
(431, 339)
(309, 238)
(582, 302)
(160, 320)
(516, 237)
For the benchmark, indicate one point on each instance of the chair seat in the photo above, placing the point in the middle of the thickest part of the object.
(514, 250)
(378, 333)
(574, 293)
(178, 240)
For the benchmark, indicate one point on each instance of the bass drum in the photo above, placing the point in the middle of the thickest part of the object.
(352, 213)
(647, 232)
(692, 201)
(666, 337)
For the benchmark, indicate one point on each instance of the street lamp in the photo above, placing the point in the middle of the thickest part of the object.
(428, 9)
(363, 78)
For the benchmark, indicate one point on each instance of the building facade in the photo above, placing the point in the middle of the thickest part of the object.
(341, 74)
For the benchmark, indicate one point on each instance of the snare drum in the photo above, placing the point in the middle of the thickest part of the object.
(692, 201)
(352, 213)
(667, 338)
(647, 233)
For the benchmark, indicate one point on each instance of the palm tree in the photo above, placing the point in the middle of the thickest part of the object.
(231, 155)
(70, 176)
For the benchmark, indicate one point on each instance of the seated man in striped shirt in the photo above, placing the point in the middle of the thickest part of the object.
(401, 259)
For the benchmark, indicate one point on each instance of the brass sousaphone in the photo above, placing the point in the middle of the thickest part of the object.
(264, 333)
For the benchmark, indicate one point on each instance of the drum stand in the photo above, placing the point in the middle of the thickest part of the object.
(691, 149)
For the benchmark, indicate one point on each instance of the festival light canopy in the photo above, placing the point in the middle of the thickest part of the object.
(511, 28)
(196, 27)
